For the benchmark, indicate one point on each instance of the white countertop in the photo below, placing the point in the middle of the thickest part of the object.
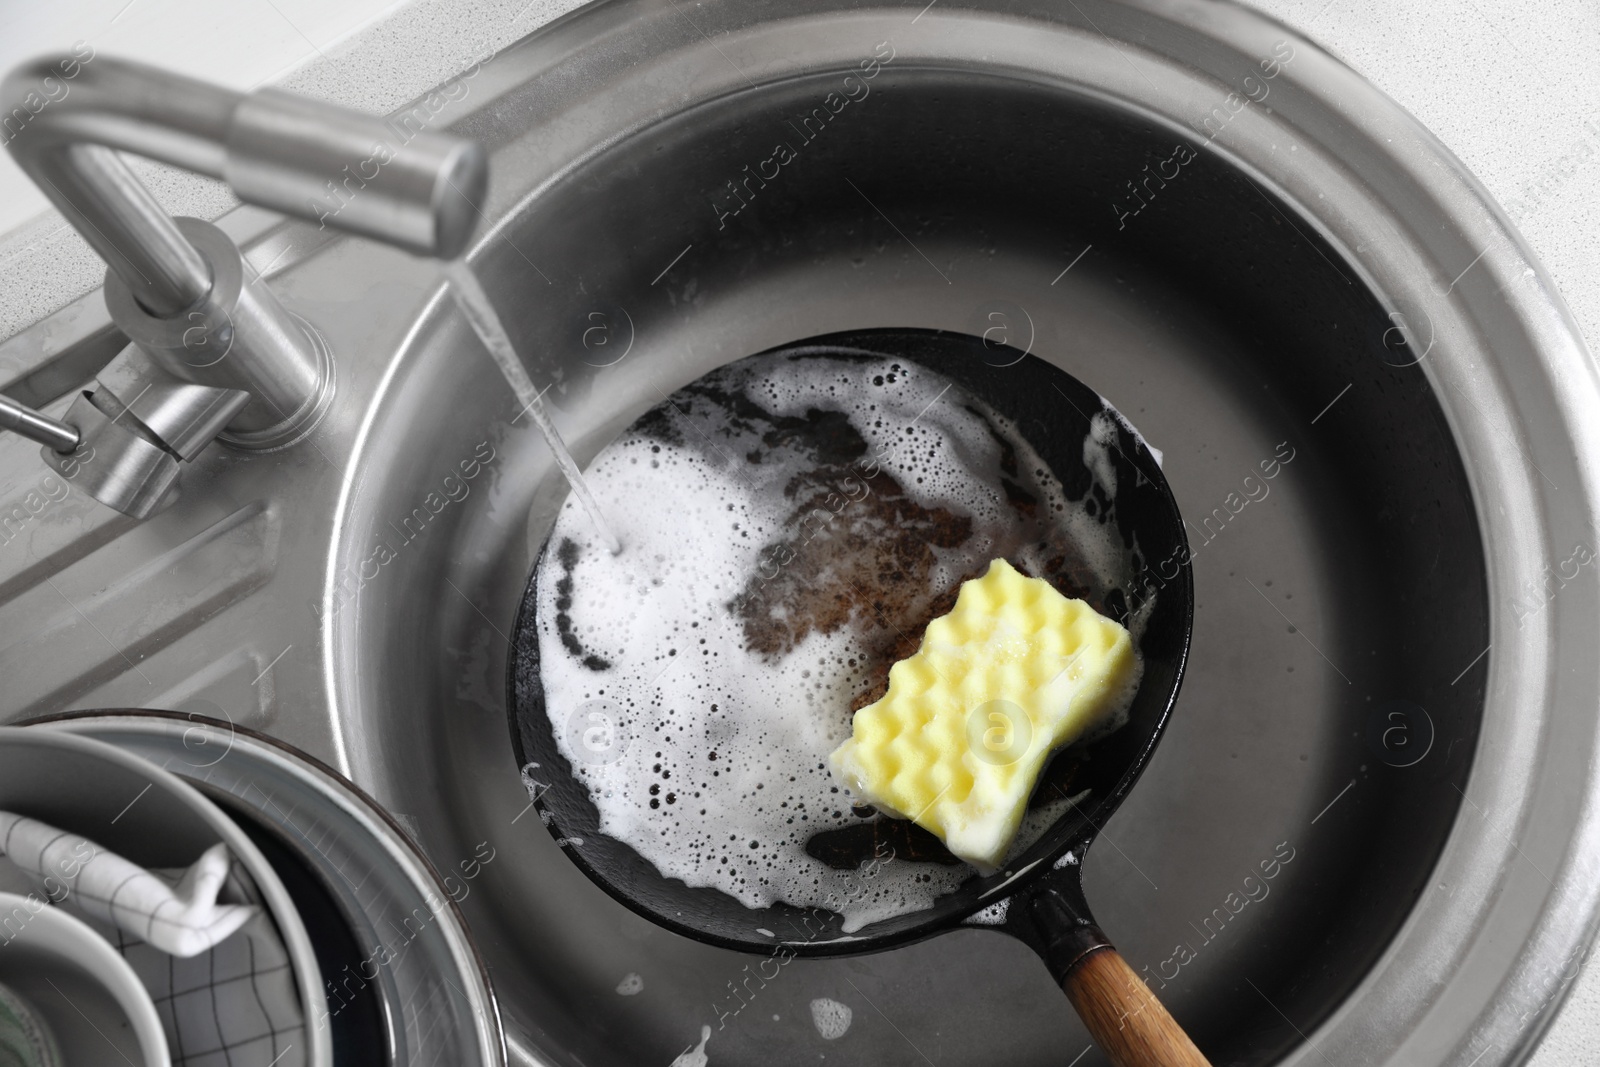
(1512, 88)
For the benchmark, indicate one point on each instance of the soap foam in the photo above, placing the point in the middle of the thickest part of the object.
(695, 1055)
(831, 1018)
(732, 670)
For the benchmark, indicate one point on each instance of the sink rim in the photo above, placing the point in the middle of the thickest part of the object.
(1518, 753)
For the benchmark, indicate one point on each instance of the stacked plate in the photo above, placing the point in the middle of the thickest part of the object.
(384, 972)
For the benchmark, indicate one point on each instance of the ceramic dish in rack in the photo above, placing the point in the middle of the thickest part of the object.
(404, 982)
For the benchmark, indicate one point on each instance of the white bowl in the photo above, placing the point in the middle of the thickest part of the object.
(77, 983)
(151, 817)
(436, 1001)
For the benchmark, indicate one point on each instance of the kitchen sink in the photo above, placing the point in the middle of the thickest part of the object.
(1373, 410)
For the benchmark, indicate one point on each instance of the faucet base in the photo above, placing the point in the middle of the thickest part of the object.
(298, 426)
(235, 366)
(237, 337)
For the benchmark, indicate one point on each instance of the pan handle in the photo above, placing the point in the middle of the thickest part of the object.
(1121, 1013)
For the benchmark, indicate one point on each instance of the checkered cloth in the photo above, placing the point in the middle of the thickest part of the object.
(198, 938)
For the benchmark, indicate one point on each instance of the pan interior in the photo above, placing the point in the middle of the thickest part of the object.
(1052, 412)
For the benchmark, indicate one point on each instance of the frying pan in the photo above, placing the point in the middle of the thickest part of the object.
(1038, 897)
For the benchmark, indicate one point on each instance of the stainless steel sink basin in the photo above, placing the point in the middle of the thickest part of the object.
(1373, 409)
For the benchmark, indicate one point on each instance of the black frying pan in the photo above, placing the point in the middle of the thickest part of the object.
(1046, 907)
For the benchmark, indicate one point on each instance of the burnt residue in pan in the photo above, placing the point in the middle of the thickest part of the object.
(567, 557)
(870, 562)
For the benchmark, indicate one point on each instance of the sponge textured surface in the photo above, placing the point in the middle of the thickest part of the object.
(1013, 672)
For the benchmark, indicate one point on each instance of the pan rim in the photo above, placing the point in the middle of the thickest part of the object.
(1073, 832)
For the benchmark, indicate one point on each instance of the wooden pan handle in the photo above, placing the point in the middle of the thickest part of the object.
(1124, 1017)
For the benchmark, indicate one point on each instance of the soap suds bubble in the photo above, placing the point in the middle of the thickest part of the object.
(630, 986)
(771, 511)
(1097, 451)
(993, 915)
(831, 1018)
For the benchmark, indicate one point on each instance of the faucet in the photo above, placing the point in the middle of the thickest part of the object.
(212, 355)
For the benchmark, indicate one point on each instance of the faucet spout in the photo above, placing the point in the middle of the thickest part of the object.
(414, 189)
(214, 353)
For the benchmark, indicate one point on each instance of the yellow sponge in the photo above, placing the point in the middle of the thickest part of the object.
(1015, 671)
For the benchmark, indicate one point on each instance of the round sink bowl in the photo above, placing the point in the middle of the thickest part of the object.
(1371, 406)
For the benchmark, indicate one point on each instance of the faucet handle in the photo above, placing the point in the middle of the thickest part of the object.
(20, 419)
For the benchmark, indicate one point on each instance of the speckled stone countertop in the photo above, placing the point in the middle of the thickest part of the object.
(1512, 88)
